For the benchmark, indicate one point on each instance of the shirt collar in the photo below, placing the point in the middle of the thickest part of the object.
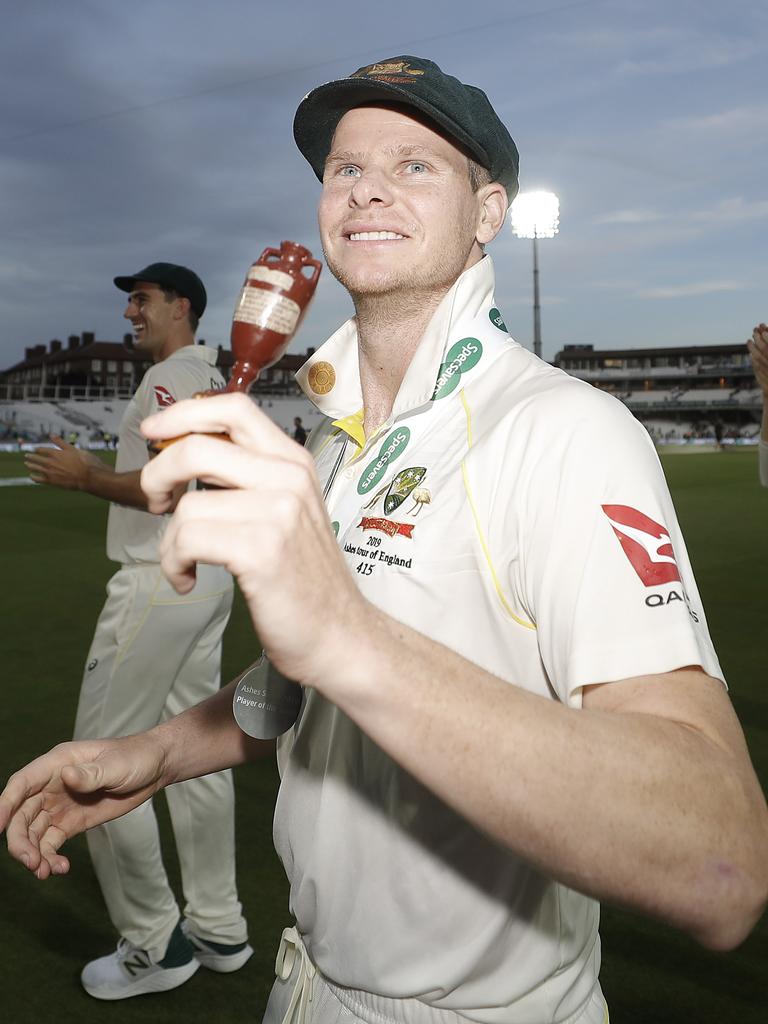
(330, 378)
(204, 352)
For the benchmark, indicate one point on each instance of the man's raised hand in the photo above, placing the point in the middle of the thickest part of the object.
(265, 522)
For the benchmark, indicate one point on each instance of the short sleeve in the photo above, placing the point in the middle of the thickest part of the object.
(161, 386)
(603, 565)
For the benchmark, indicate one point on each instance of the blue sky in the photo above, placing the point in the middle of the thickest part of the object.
(136, 132)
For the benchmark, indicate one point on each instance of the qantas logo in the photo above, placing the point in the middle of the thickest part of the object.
(646, 544)
(163, 396)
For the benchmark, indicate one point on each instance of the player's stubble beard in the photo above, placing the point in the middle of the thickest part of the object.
(397, 293)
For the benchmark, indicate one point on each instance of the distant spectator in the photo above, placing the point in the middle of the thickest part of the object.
(758, 349)
(719, 432)
(299, 433)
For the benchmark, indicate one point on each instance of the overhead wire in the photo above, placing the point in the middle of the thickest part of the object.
(254, 79)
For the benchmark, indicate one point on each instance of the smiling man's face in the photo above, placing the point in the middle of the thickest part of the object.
(397, 211)
(152, 315)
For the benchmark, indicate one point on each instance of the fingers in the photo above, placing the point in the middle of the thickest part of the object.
(35, 842)
(225, 465)
(38, 460)
(16, 824)
(41, 462)
(20, 788)
(759, 339)
(48, 838)
(233, 414)
(235, 528)
(45, 840)
(758, 350)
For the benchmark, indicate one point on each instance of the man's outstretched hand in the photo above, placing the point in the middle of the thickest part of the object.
(72, 788)
(63, 466)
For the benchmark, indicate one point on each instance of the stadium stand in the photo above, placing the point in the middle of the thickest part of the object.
(80, 392)
(96, 423)
(680, 394)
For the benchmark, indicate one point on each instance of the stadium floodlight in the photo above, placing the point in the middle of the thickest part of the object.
(535, 215)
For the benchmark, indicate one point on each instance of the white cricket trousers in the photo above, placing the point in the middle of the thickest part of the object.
(301, 995)
(154, 654)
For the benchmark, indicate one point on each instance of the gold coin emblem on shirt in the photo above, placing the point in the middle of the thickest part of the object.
(322, 378)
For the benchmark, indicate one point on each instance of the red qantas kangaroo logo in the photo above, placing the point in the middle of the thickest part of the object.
(163, 396)
(646, 544)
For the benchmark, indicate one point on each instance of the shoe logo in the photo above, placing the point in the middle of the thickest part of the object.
(137, 964)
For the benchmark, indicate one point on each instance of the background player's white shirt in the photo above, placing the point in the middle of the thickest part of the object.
(522, 520)
(132, 535)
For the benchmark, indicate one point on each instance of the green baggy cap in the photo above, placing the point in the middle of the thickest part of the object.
(169, 275)
(464, 113)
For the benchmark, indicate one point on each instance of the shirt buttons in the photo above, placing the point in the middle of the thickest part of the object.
(349, 473)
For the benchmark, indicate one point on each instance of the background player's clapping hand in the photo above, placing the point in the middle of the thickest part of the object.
(63, 466)
(267, 524)
(758, 349)
(72, 788)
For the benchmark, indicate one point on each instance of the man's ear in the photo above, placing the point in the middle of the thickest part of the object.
(493, 211)
(182, 308)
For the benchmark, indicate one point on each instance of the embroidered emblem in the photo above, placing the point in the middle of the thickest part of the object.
(421, 497)
(389, 71)
(401, 487)
(321, 378)
(388, 526)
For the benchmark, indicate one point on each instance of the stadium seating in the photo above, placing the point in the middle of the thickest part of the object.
(90, 421)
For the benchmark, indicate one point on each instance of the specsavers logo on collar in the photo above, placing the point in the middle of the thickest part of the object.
(459, 358)
(393, 447)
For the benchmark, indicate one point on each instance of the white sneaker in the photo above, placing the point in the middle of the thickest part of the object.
(130, 972)
(217, 956)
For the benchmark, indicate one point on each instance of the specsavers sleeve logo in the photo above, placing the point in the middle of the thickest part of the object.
(393, 447)
(459, 358)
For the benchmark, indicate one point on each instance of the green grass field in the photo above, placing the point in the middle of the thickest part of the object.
(54, 573)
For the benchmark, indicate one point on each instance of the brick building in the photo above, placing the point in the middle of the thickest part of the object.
(90, 369)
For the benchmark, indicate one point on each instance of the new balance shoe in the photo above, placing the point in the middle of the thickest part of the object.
(130, 972)
(218, 956)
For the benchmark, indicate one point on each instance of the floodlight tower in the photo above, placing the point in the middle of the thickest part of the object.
(535, 215)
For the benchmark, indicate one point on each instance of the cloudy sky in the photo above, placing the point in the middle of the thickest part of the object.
(142, 131)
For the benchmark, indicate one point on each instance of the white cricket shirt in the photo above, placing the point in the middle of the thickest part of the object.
(519, 517)
(133, 535)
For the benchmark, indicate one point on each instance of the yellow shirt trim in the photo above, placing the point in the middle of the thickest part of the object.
(353, 425)
(480, 534)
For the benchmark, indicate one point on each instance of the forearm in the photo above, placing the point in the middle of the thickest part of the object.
(205, 739)
(627, 808)
(122, 488)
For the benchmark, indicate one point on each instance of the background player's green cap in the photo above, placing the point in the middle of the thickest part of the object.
(462, 111)
(170, 275)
